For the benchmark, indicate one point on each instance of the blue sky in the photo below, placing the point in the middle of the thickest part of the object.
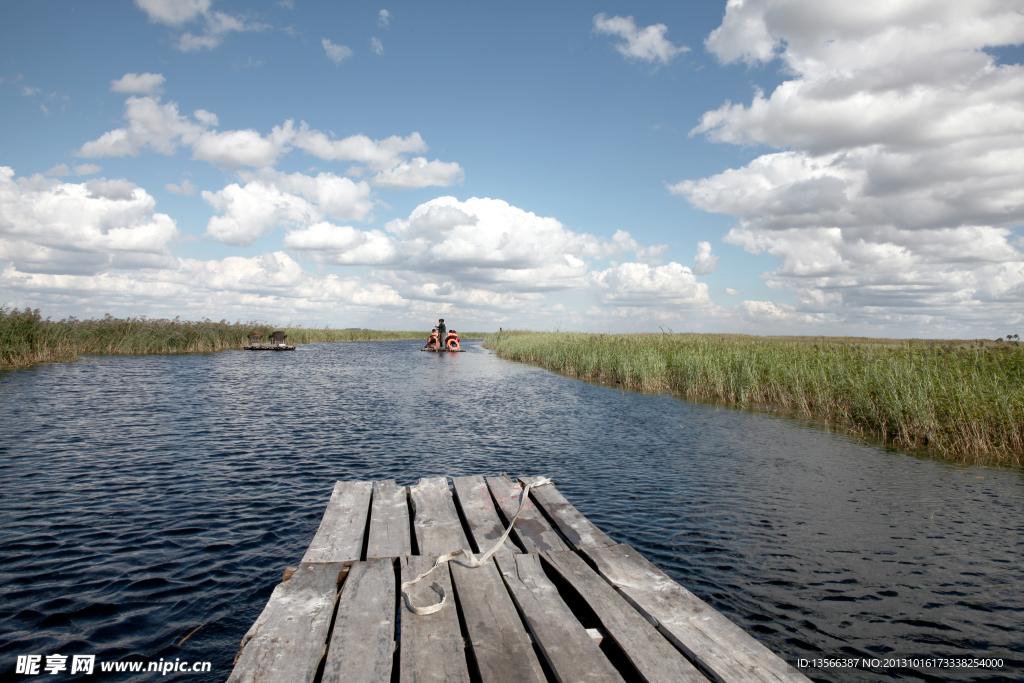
(770, 167)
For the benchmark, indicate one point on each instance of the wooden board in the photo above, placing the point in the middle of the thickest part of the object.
(503, 650)
(485, 527)
(287, 641)
(435, 520)
(363, 642)
(340, 536)
(656, 660)
(567, 647)
(532, 531)
(431, 648)
(390, 534)
(720, 648)
(577, 529)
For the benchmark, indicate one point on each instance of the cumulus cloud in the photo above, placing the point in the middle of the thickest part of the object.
(186, 188)
(376, 47)
(48, 226)
(648, 44)
(138, 84)
(177, 13)
(378, 155)
(174, 12)
(151, 125)
(384, 18)
(419, 172)
(639, 284)
(336, 53)
(343, 245)
(249, 211)
(158, 126)
(87, 169)
(732, 292)
(900, 181)
(59, 170)
(704, 262)
(234, 148)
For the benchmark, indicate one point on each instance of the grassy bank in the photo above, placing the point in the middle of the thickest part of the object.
(26, 338)
(964, 400)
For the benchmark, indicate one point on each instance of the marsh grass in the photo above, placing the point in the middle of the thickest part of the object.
(26, 338)
(963, 400)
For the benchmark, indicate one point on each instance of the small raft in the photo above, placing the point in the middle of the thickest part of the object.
(276, 342)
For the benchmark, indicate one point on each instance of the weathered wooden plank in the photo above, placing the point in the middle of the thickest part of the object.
(362, 644)
(485, 527)
(656, 660)
(720, 648)
(431, 648)
(503, 651)
(565, 644)
(435, 520)
(577, 529)
(287, 641)
(390, 534)
(340, 536)
(532, 531)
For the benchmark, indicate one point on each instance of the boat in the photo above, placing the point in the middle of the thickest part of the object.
(450, 345)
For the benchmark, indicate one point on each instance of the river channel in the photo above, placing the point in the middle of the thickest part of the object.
(144, 497)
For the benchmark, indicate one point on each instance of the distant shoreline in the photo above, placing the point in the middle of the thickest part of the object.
(27, 339)
(959, 399)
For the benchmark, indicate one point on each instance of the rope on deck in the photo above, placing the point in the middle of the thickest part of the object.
(470, 557)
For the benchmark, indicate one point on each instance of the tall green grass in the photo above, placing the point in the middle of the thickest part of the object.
(26, 338)
(964, 400)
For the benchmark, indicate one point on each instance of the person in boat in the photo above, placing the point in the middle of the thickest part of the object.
(442, 330)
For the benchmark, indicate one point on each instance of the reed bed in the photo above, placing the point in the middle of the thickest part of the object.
(26, 338)
(962, 400)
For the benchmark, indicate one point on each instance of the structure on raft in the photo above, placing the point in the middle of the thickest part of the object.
(277, 342)
(380, 596)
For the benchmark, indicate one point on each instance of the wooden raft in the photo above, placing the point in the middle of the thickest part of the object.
(559, 601)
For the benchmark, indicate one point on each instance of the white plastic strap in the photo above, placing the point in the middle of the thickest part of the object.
(471, 559)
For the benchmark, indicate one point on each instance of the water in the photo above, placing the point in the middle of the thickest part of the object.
(143, 497)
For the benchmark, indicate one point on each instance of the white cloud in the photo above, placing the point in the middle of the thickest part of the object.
(87, 169)
(247, 212)
(378, 155)
(639, 284)
(216, 25)
(233, 148)
(902, 175)
(704, 262)
(139, 84)
(154, 125)
(174, 12)
(384, 18)
(47, 226)
(336, 53)
(376, 47)
(419, 172)
(732, 292)
(343, 245)
(59, 170)
(151, 125)
(186, 188)
(648, 44)
(29, 91)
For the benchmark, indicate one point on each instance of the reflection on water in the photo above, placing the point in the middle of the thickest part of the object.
(146, 496)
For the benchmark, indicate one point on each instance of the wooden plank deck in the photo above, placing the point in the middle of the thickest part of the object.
(575, 606)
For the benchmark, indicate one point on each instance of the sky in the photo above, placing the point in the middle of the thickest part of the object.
(811, 167)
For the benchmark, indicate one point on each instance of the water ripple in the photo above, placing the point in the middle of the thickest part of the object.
(146, 496)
